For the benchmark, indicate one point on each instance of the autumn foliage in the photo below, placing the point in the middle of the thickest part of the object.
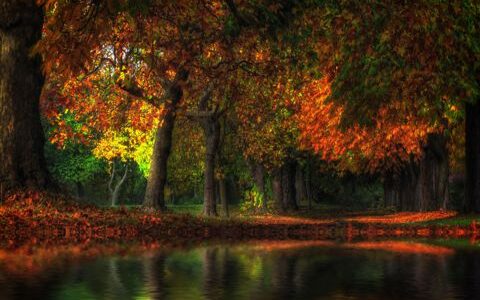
(386, 144)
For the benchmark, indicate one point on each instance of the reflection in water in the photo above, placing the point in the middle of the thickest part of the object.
(256, 270)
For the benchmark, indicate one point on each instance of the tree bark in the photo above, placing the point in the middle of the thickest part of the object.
(308, 185)
(300, 185)
(259, 176)
(288, 185)
(434, 172)
(21, 82)
(421, 185)
(472, 157)
(157, 178)
(407, 187)
(277, 189)
(390, 192)
(115, 192)
(80, 190)
(223, 196)
(211, 130)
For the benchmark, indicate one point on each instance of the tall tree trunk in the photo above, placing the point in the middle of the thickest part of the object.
(115, 190)
(259, 175)
(257, 171)
(288, 184)
(80, 190)
(472, 157)
(407, 187)
(21, 82)
(434, 172)
(157, 178)
(223, 196)
(390, 192)
(300, 185)
(211, 130)
(422, 185)
(277, 189)
(308, 185)
(218, 200)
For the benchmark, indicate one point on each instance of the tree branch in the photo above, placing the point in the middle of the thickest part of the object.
(111, 178)
(233, 9)
(199, 114)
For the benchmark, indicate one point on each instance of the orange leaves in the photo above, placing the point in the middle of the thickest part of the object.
(391, 140)
(405, 217)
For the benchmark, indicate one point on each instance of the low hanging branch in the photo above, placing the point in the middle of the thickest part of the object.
(168, 85)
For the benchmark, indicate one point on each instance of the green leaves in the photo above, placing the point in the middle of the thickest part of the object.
(74, 164)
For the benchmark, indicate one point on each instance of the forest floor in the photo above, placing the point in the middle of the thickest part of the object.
(30, 216)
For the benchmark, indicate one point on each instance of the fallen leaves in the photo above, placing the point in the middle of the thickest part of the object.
(51, 217)
(404, 217)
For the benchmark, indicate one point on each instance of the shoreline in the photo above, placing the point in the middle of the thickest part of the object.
(43, 217)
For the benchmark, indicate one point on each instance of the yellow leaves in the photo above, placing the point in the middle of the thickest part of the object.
(111, 146)
(123, 144)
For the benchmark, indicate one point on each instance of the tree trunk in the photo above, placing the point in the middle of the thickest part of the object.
(259, 176)
(211, 130)
(390, 192)
(116, 190)
(277, 189)
(218, 200)
(472, 157)
(223, 196)
(422, 185)
(434, 172)
(300, 185)
(80, 190)
(21, 82)
(288, 184)
(407, 187)
(157, 178)
(308, 185)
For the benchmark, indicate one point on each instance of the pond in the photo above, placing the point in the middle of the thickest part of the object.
(438, 269)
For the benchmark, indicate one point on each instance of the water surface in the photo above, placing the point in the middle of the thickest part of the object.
(251, 270)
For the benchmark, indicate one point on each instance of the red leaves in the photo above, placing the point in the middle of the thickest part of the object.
(393, 138)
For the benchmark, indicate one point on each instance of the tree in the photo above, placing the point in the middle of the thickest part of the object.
(268, 134)
(87, 112)
(74, 165)
(151, 49)
(21, 81)
(404, 148)
(423, 54)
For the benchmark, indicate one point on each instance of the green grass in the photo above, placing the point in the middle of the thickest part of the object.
(193, 209)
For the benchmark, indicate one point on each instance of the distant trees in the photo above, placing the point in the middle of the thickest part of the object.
(417, 60)
(369, 88)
